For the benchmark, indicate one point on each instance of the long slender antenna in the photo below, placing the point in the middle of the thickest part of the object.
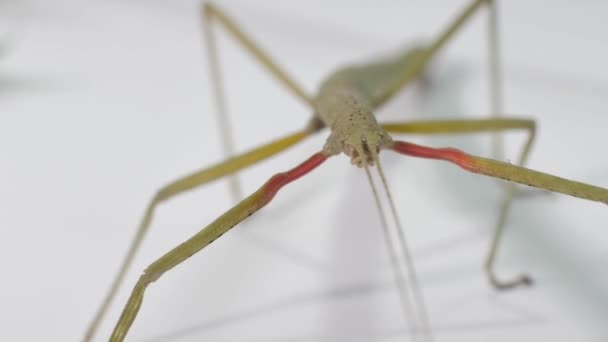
(411, 316)
(423, 316)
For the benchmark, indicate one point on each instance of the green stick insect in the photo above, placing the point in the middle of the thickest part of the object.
(345, 104)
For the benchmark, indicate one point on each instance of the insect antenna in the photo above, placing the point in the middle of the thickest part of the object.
(423, 317)
(411, 301)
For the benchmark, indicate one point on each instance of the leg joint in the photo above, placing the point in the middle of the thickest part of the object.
(147, 278)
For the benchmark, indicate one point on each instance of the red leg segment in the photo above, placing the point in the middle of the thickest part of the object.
(449, 154)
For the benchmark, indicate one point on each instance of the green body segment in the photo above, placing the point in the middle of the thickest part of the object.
(377, 80)
(347, 99)
(381, 79)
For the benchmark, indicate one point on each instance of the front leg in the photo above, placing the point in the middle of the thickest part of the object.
(470, 126)
(217, 228)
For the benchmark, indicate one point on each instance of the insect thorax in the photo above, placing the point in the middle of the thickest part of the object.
(347, 111)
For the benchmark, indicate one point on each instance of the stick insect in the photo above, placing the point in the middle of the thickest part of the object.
(345, 104)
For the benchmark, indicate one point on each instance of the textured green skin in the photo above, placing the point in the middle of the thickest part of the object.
(347, 98)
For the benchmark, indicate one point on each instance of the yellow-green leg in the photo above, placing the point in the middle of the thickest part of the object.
(416, 66)
(480, 126)
(189, 182)
(211, 14)
(418, 62)
(496, 169)
(217, 228)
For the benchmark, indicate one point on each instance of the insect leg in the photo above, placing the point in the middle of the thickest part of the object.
(217, 228)
(179, 186)
(509, 172)
(418, 62)
(210, 13)
(462, 126)
(506, 171)
(478, 126)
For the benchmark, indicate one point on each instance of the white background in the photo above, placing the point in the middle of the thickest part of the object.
(102, 102)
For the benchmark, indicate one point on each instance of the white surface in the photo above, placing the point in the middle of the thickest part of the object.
(103, 102)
